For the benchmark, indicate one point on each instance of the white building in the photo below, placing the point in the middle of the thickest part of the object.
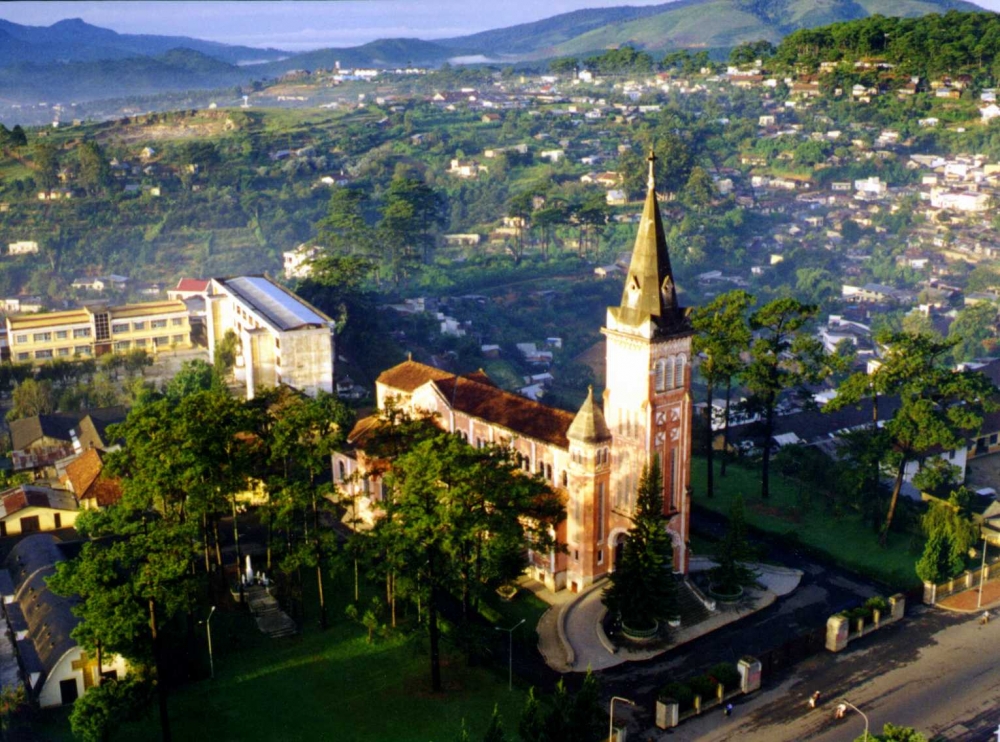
(24, 247)
(298, 262)
(871, 187)
(283, 339)
(55, 668)
(966, 201)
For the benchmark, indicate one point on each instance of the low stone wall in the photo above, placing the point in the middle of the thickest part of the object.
(668, 714)
(841, 630)
(933, 593)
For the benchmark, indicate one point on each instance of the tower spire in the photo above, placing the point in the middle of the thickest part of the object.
(649, 285)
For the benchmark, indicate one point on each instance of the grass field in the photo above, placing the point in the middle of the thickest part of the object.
(332, 685)
(793, 515)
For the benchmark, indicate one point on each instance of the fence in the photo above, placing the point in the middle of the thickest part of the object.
(793, 651)
(933, 593)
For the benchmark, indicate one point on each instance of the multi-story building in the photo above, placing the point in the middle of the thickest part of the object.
(92, 331)
(282, 339)
(594, 458)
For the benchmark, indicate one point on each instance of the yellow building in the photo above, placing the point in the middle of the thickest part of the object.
(92, 331)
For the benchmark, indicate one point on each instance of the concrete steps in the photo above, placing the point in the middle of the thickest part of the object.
(692, 610)
(271, 620)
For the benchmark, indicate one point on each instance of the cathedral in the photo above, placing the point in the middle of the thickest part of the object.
(594, 458)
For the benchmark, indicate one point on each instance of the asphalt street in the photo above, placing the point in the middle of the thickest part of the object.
(824, 590)
(936, 671)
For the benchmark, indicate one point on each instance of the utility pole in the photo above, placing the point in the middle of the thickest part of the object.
(510, 653)
(611, 715)
(982, 575)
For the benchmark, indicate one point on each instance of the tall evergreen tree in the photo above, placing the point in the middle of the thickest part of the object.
(783, 356)
(495, 732)
(722, 336)
(734, 553)
(642, 589)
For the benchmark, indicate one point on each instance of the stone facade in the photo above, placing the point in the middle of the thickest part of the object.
(594, 458)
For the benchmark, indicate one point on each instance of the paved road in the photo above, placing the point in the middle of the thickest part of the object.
(936, 672)
(824, 590)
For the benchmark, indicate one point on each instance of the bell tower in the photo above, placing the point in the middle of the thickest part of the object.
(647, 398)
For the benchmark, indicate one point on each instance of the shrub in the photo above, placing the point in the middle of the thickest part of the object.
(679, 692)
(726, 674)
(703, 686)
(878, 603)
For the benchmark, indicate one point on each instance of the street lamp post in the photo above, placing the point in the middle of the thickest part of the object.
(510, 652)
(982, 576)
(208, 629)
(842, 709)
(611, 715)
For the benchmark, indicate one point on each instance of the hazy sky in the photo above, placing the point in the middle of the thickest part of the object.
(307, 24)
(302, 25)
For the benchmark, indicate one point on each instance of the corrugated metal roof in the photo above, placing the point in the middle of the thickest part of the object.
(281, 308)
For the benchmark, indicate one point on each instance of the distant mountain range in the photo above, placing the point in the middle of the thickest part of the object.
(685, 24)
(73, 60)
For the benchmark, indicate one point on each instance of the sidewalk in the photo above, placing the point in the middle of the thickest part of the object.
(571, 638)
(967, 601)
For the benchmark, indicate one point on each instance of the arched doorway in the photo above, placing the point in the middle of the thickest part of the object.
(619, 549)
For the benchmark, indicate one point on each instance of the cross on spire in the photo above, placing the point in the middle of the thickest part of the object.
(652, 162)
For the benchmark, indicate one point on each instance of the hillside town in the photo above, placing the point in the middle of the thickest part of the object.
(605, 390)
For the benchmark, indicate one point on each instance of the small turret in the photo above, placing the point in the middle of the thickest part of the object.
(589, 425)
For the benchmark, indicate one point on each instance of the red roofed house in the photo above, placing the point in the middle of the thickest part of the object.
(594, 457)
(188, 288)
(91, 487)
(29, 509)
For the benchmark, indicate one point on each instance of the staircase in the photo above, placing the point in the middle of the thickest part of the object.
(691, 609)
(271, 620)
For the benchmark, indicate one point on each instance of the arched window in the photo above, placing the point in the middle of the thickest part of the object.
(661, 374)
(340, 468)
(679, 371)
(565, 479)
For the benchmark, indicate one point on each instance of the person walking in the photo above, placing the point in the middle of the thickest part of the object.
(814, 699)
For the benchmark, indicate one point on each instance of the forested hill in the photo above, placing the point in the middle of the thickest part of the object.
(690, 24)
(178, 69)
(930, 46)
(73, 40)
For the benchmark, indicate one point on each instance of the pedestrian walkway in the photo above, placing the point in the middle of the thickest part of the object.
(271, 620)
(968, 601)
(571, 637)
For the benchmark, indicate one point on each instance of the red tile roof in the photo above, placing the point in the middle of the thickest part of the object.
(84, 473)
(512, 411)
(410, 375)
(477, 396)
(192, 284)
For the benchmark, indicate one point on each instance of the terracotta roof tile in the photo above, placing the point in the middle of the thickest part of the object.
(410, 375)
(514, 412)
(84, 473)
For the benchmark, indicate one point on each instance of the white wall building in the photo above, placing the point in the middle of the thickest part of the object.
(23, 247)
(283, 339)
(297, 262)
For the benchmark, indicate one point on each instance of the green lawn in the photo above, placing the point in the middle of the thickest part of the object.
(791, 513)
(332, 685)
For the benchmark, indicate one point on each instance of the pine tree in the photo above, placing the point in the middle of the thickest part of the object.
(940, 560)
(642, 589)
(734, 553)
(495, 733)
(531, 728)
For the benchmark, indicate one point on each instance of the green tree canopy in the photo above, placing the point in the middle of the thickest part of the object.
(642, 589)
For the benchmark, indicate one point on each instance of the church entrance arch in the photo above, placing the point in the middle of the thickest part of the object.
(616, 542)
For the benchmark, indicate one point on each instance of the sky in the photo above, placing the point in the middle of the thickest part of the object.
(306, 24)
